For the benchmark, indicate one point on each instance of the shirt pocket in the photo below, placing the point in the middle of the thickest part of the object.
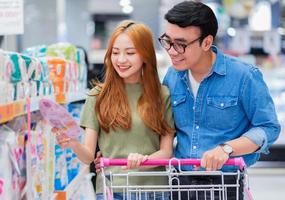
(222, 112)
(180, 111)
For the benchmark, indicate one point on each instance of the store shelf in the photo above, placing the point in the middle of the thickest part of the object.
(17, 108)
(12, 110)
(76, 96)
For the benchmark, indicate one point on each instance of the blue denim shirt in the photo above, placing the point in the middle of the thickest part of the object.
(232, 101)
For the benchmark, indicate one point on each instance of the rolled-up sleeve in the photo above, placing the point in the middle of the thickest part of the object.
(260, 110)
(258, 136)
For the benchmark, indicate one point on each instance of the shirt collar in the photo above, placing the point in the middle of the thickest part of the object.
(219, 66)
(183, 74)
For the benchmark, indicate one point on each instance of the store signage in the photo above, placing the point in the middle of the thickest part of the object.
(11, 17)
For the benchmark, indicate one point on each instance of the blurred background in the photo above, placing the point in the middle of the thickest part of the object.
(253, 30)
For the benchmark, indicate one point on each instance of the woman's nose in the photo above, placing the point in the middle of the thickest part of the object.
(122, 58)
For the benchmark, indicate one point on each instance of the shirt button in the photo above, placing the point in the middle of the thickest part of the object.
(194, 147)
(222, 104)
(197, 127)
(193, 107)
(174, 102)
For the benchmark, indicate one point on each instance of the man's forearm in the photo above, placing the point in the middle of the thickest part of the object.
(242, 146)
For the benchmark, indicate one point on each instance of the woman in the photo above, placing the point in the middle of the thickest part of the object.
(129, 114)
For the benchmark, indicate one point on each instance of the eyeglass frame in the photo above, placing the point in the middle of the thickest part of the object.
(172, 44)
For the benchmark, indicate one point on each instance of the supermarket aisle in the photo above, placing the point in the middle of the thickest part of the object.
(267, 183)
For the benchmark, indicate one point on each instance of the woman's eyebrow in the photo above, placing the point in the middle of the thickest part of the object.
(117, 48)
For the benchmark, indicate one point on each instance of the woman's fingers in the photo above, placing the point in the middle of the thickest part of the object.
(54, 129)
(98, 156)
(145, 158)
(64, 142)
(62, 139)
(97, 161)
(135, 160)
(131, 161)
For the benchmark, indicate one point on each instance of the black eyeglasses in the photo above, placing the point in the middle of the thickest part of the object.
(179, 48)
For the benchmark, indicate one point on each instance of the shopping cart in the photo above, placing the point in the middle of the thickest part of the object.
(212, 190)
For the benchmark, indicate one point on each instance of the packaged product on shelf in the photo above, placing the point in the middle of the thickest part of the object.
(75, 110)
(9, 175)
(60, 171)
(37, 56)
(82, 69)
(62, 50)
(45, 84)
(83, 189)
(72, 164)
(71, 76)
(19, 126)
(25, 73)
(16, 75)
(36, 170)
(66, 69)
(36, 51)
(19, 76)
(7, 90)
(57, 67)
(34, 166)
(41, 144)
(31, 67)
(51, 161)
(48, 153)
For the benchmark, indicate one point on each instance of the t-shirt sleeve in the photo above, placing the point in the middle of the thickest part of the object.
(168, 110)
(88, 117)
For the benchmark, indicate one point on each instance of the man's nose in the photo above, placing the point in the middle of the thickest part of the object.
(172, 51)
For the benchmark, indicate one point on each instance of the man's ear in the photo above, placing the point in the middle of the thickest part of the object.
(207, 42)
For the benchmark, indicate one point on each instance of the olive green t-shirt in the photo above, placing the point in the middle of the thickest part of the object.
(120, 143)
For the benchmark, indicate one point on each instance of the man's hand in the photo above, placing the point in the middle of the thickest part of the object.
(214, 159)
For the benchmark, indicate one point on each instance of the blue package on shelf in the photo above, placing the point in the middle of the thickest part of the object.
(72, 168)
(61, 175)
(75, 110)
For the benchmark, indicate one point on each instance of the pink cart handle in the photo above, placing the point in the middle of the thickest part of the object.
(106, 162)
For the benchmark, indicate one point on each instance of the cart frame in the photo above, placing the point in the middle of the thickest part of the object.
(214, 191)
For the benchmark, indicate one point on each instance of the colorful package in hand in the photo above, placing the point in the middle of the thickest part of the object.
(58, 117)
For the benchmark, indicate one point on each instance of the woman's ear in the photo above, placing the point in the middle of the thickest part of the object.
(207, 42)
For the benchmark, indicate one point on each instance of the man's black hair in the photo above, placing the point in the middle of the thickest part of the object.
(191, 13)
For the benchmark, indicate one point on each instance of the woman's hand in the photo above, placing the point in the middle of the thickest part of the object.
(97, 161)
(135, 160)
(62, 139)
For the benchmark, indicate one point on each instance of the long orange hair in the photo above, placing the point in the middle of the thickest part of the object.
(112, 107)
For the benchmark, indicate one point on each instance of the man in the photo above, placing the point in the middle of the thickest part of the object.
(221, 105)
